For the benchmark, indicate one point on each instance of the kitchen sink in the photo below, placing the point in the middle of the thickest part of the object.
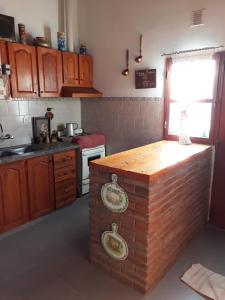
(6, 153)
(19, 150)
(22, 150)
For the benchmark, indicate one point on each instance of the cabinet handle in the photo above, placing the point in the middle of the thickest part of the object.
(65, 159)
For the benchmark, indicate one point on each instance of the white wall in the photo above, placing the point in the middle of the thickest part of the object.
(108, 27)
(40, 16)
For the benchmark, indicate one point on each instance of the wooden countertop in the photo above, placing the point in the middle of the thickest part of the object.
(150, 159)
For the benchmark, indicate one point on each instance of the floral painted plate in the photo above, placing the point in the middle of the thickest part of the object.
(114, 197)
(114, 245)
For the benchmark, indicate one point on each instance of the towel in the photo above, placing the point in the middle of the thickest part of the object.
(90, 140)
(205, 282)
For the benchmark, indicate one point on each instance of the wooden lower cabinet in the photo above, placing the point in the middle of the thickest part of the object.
(34, 187)
(13, 196)
(65, 178)
(40, 186)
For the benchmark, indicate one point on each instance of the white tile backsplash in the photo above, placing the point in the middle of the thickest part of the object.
(3, 108)
(12, 113)
(13, 108)
(23, 108)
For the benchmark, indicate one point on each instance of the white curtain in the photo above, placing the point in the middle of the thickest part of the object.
(192, 79)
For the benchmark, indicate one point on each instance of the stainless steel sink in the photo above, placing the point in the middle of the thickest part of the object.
(22, 150)
(19, 150)
(6, 153)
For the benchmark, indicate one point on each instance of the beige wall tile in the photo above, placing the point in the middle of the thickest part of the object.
(126, 122)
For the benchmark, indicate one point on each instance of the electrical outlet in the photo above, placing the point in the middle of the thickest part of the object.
(26, 119)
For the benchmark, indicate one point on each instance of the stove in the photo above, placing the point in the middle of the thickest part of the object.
(92, 147)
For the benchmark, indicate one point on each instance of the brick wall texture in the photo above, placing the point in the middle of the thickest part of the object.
(126, 122)
(162, 217)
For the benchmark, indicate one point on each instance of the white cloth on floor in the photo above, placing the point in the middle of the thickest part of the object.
(205, 282)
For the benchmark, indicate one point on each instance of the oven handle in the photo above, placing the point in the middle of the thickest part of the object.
(93, 157)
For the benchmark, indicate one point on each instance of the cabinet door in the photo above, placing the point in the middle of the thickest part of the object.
(50, 72)
(70, 69)
(22, 59)
(13, 196)
(65, 178)
(86, 70)
(4, 60)
(3, 53)
(40, 182)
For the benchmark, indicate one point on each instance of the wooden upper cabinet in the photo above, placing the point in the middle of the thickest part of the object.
(50, 72)
(4, 59)
(70, 69)
(3, 53)
(13, 196)
(22, 59)
(86, 70)
(41, 185)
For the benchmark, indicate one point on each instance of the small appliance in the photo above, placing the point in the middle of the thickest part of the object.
(70, 128)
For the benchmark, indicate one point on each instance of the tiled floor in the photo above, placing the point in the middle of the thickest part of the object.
(47, 260)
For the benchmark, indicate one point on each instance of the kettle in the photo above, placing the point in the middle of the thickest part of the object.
(70, 128)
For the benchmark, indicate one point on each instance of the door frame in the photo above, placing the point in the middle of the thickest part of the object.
(220, 100)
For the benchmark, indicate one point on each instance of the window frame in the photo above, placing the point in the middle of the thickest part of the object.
(211, 139)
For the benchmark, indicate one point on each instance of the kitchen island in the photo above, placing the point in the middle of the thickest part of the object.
(146, 204)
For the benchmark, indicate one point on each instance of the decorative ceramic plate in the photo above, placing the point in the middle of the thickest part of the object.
(114, 245)
(114, 197)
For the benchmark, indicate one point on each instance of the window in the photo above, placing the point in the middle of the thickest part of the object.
(190, 93)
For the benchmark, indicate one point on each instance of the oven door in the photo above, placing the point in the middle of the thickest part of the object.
(87, 157)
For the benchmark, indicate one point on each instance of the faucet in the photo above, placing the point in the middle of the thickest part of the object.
(2, 132)
(5, 136)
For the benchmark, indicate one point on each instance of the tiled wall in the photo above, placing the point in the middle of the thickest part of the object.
(12, 113)
(126, 122)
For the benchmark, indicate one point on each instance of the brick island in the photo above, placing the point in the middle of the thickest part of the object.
(145, 214)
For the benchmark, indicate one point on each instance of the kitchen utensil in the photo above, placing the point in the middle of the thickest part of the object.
(70, 128)
(126, 71)
(139, 58)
